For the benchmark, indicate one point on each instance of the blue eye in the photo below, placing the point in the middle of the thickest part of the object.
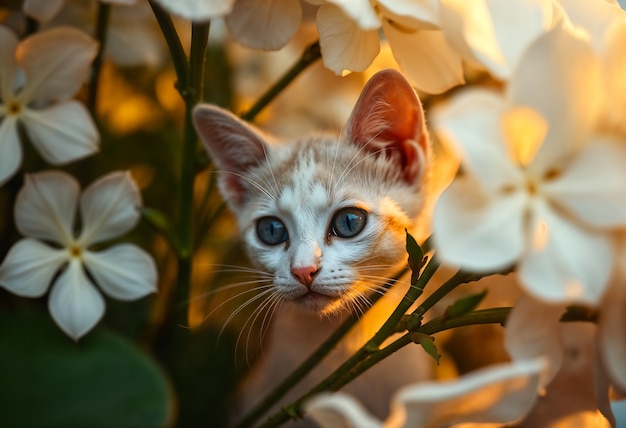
(348, 222)
(271, 231)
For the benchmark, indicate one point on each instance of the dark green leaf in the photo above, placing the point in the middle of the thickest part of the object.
(156, 218)
(416, 257)
(51, 381)
(464, 305)
(428, 344)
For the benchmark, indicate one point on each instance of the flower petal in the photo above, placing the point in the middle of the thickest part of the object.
(344, 45)
(8, 66)
(502, 393)
(567, 263)
(42, 10)
(472, 123)
(197, 10)
(75, 304)
(124, 272)
(495, 33)
(264, 24)
(475, 231)
(63, 132)
(56, 63)
(611, 332)
(361, 12)
(533, 330)
(614, 67)
(109, 207)
(29, 267)
(425, 57)
(10, 148)
(592, 186)
(134, 38)
(472, 35)
(423, 14)
(46, 206)
(595, 17)
(559, 77)
(339, 410)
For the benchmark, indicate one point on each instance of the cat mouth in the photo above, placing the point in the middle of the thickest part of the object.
(316, 301)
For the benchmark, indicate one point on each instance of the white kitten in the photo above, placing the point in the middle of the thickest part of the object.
(326, 217)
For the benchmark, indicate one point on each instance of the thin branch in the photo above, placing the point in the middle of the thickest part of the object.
(311, 54)
(102, 28)
(177, 52)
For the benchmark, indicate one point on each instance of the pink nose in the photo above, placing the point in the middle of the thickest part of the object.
(305, 274)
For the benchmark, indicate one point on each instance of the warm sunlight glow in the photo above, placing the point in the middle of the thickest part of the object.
(524, 130)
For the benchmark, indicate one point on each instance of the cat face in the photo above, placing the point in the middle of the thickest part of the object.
(326, 216)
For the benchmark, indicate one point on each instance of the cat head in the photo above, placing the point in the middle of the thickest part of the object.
(326, 216)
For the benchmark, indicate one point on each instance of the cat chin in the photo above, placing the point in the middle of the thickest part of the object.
(319, 304)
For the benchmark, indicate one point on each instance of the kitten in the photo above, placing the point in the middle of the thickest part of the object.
(326, 217)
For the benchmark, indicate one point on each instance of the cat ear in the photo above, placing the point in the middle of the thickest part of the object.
(388, 119)
(233, 145)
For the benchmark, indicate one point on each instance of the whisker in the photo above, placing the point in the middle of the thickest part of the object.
(241, 307)
(269, 166)
(252, 182)
(228, 287)
(268, 308)
(237, 269)
(251, 320)
(265, 289)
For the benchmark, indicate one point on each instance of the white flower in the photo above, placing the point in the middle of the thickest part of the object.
(495, 33)
(45, 213)
(37, 79)
(534, 330)
(349, 39)
(259, 24)
(592, 17)
(540, 184)
(44, 10)
(264, 24)
(133, 36)
(498, 394)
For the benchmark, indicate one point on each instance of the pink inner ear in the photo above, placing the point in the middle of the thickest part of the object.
(234, 147)
(388, 118)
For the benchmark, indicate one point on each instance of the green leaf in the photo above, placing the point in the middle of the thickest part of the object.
(416, 257)
(156, 218)
(159, 221)
(428, 344)
(464, 305)
(48, 380)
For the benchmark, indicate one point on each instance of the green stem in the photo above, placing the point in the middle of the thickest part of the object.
(484, 316)
(102, 27)
(311, 362)
(190, 79)
(192, 95)
(459, 278)
(338, 378)
(311, 54)
(179, 58)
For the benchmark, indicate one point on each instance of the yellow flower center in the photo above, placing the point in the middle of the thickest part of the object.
(524, 130)
(14, 108)
(76, 251)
